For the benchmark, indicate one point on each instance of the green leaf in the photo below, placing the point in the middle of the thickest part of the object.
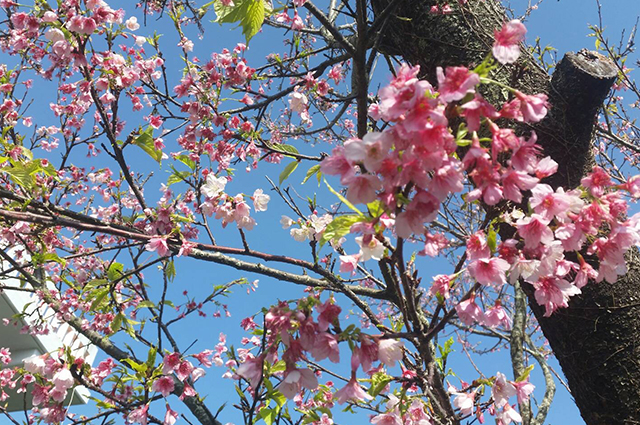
(525, 374)
(115, 271)
(249, 14)
(151, 357)
(99, 295)
(378, 383)
(145, 142)
(171, 271)
(339, 227)
(343, 199)
(287, 171)
(268, 415)
(146, 304)
(310, 172)
(286, 149)
(117, 322)
(178, 177)
(141, 368)
(252, 21)
(492, 239)
(20, 175)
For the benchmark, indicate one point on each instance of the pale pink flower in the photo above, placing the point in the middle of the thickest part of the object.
(49, 16)
(139, 415)
(514, 182)
(251, 370)
(475, 109)
(548, 203)
(423, 208)
(497, 316)
(371, 150)
(298, 102)
(82, 25)
(523, 390)
(63, 379)
(441, 285)
(328, 313)
(534, 230)
(170, 363)
(508, 415)
(349, 263)
(295, 379)
(337, 163)
(532, 107)
(469, 312)
(370, 247)
(164, 385)
(506, 48)
(228, 3)
(477, 247)
(365, 354)
(546, 167)
(362, 189)
(35, 364)
(489, 271)
(446, 179)
(351, 392)
(390, 418)
(390, 351)
(170, 417)
(597, 181)
(434, 243)
(260, 200)
(502, 390)
(213, 186)
(40, 394)
(464, 402)
(553, 293)
(159, 245)
(457, 83)
(326, 345)
(132, 23)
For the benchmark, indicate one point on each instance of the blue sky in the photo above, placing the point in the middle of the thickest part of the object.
(562, 24)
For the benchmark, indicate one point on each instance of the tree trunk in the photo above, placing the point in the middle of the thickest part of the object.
(597, 339)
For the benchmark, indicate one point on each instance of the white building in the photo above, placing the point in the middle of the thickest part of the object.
(23, 345)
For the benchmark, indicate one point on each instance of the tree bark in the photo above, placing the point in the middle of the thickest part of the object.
(597, 339)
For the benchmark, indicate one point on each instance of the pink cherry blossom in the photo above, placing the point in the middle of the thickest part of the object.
(170, 417)
(464, 402)
(441, 285)
(159, 245)
(362, 189)
(502, 390)
(553, 293)
(170, 363)
(390, 351)
(251, 370)
(497, 316)
(489, 271)
(532, 107)
(457, 83)
(506, 47)
(139, 415)
(523, 390)
(469, 312)
(534, 230)
(164, 385)
(351, 392)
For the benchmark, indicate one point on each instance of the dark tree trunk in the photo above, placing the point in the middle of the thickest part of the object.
(597, 339)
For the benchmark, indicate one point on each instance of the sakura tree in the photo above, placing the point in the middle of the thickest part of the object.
(414, 220)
